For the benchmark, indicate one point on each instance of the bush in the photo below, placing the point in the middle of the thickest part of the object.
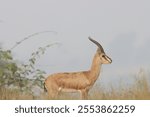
(21, 76)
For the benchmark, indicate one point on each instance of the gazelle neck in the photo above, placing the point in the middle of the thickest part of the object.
(95, 68)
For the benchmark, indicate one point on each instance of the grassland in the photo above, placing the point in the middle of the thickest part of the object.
(140, 90)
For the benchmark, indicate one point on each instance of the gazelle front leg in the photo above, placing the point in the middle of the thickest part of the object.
(84, 94)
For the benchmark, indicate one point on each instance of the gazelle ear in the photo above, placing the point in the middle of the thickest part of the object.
(98, 44)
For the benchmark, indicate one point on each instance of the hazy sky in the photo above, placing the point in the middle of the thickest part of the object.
(121, 26)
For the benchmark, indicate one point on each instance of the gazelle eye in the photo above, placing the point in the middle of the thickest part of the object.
(103, 56)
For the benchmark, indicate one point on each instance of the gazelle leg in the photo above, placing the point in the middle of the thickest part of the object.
(52, 94)
(84, 94)
(52, 91)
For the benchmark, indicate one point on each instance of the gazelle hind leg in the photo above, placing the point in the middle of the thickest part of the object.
(84, 94)
(52, 94)
(52, 90)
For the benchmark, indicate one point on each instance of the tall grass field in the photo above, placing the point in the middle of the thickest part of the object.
(140, 90)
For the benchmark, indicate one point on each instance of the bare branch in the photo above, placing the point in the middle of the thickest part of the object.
(28, 37)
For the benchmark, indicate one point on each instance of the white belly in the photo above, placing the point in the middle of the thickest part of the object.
(68, 90)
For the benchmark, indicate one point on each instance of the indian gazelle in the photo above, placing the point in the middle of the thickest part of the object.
(77, 81)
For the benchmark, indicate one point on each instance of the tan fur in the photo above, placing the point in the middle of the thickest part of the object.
(76, 81)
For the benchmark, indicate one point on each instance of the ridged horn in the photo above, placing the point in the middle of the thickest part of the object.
(99, 45)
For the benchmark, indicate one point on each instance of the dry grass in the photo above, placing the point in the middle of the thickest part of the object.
(140, 90)
(10, 94)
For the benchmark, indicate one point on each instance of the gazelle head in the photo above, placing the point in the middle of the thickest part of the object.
(103, 57)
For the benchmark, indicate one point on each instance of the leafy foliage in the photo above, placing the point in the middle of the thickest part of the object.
(21, 76)
(8, 68)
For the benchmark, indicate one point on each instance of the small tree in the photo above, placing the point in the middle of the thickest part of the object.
(22, 76)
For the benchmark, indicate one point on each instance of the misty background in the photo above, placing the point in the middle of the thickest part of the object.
(121, 26)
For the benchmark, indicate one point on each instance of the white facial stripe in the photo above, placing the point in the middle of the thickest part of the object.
(108, 59)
